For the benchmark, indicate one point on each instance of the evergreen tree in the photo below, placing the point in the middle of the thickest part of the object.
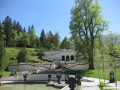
(49, 43)
(8, 28)
(37, 42)
(65, 44)
(24, 30)
(14, 25)
(50, 37)
(29, 29)
(32, 36)
(56, 40)
(2, 31)
(18, 28)
(43, 39)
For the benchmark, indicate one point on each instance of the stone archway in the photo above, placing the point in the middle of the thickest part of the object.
(67, 58)
(63, 58)
(72, 57)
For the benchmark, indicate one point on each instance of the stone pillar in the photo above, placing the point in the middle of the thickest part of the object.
(111, 74)
(112, 78)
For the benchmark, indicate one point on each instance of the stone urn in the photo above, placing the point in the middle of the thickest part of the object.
(59, 78)
(49, 77)
(25, 77)
(72, 82)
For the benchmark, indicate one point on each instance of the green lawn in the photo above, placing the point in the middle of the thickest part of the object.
(94, 73)
(88, 73)
(7, 73)
(102, 84)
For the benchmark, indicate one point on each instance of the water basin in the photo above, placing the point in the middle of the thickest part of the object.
(26, 87)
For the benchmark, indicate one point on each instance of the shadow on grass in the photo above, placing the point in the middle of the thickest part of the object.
(79, 72)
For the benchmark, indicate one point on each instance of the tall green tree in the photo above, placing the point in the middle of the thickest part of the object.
(14, 25)
(56, 40)
(37, 42)
(86, 22)
(18, 28)
(2, 51)
(65, 44)
(32, 36)
(43, 39)
(8, 28)
(29, 29)
(49, 43)
(14, 38)
(100, 51)
(2, 46)
(2, 31)
(24, 30)
(50, 37)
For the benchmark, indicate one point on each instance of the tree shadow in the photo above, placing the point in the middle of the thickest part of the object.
(79, 72)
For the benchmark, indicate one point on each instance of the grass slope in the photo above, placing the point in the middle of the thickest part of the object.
(12, 53)
(94, 73)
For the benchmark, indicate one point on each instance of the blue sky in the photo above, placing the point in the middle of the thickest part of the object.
(54, 15)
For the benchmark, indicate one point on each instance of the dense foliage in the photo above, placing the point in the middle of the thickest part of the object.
(2, 53)
(86, 22)
(15, 35)
(22, 55)
(2, 47)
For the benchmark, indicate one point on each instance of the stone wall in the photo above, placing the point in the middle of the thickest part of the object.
(57, 55)
(43, 67)
(32, 66)
(77, 66)
(42, 77)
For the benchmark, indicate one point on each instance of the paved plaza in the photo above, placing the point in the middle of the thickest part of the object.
(88, 83)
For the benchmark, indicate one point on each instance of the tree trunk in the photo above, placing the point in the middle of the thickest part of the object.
(91, 61)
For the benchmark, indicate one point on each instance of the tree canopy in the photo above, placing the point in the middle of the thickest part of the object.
(2, 47)
(87, 22)
(15, 35)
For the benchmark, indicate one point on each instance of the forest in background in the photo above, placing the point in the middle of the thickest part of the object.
(15, 35)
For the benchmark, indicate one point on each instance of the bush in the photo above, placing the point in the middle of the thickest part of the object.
(103, 85)
(22, 55)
